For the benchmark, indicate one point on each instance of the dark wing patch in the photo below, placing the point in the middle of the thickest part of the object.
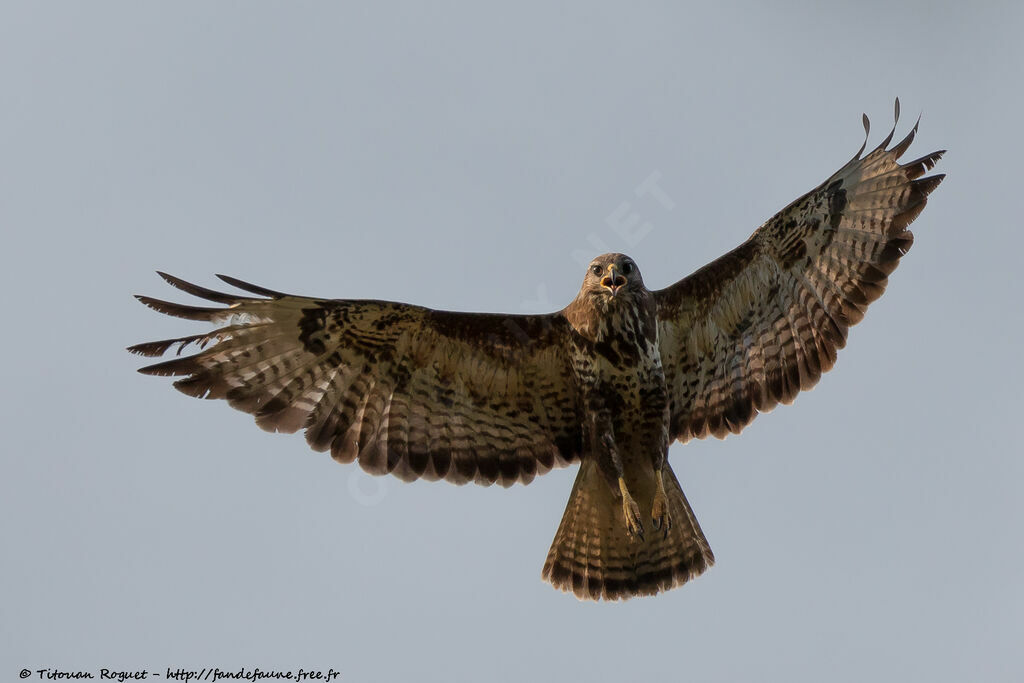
(402, 389)
(763, 322)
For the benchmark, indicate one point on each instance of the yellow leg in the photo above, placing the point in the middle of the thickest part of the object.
(631, 511)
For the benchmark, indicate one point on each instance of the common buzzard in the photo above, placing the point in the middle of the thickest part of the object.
(607, 382)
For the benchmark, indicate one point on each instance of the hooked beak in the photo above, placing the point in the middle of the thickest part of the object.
(613, 281)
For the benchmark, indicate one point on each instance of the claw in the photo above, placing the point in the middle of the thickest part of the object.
(631, 511)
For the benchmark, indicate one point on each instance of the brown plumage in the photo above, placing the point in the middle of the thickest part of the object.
(610, 381)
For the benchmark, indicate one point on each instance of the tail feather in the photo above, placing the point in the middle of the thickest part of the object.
(594, 558)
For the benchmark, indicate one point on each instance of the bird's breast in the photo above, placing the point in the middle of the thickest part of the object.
(627, 369)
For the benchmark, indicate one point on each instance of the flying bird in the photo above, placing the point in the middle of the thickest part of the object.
(608, 382)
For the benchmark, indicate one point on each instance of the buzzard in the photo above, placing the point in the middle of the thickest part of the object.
(608, 382)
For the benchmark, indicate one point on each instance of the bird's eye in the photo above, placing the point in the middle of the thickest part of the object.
(596, 270)
(627, 267)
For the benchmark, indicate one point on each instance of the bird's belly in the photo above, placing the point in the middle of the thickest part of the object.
(640, 416)
(635, 387)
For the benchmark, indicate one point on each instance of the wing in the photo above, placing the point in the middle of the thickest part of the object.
(753, 328)
(405, 390)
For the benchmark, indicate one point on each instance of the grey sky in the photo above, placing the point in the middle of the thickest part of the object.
(458, 156)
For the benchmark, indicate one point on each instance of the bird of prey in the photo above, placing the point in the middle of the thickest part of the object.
(607, 382)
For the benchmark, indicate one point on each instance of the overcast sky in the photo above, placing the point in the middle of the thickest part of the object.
(468, 158)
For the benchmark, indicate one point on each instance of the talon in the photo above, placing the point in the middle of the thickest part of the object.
(659, 509)
(631, 511)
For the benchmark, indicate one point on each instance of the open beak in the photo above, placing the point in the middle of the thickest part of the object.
(613, 281)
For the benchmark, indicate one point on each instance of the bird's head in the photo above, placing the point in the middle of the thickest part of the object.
(612, 277)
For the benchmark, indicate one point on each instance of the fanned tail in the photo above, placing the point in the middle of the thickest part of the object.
(594, 558)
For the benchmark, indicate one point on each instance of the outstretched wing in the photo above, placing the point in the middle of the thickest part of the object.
(753, 328)
(407, 390)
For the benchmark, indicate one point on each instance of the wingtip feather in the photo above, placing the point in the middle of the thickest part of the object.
(196, 290)
(180, 310)
(249, 287)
